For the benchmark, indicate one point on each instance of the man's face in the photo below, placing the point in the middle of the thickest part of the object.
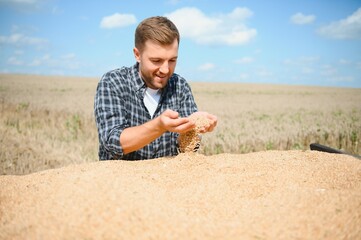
(157, 63)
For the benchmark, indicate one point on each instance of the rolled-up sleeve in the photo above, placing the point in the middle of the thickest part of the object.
(110, 116)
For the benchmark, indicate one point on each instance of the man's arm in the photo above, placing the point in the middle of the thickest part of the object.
(134, 138)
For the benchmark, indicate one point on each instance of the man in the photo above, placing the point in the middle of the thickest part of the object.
(141, 110)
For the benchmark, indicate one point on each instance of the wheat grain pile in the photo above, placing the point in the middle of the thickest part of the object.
(264, 195)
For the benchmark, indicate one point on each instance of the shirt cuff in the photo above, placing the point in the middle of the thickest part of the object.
(113, 144)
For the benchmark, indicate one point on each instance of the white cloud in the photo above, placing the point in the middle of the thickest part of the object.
(15, 61)
(244, 76)
(309, 59)
(56, 10)
(19, 52)
(68, 56)
(35, 63)
(84, 18)
(245, 60)
(21, 1)
(328, 70)
(302, 61)
(225, 29)
(118, 20)
(65, 62)
(307, 70)
(333, 74)
(344, 61)
(19, 39)
(263, 72)
(173, 2)
(44, 60)
(301, 19)
(341, 79)
(24, 5)
(206, 66)
(348, 28)
(303, 64)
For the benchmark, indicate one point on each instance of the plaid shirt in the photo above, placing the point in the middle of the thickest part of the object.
(119, 105)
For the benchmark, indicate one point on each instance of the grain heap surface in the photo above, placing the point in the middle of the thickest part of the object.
(263, 195)
(191, 140)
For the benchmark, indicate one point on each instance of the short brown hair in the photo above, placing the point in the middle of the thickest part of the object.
(158, 29)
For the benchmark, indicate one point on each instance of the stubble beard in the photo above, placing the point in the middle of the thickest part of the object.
(152, 83)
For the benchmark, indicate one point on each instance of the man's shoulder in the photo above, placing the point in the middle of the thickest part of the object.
(117, 74)
(178, 82)
(178, 79)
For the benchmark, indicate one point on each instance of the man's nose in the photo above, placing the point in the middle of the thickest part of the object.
(164, 68)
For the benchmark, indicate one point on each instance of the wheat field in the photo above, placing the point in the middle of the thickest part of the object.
(47, 121)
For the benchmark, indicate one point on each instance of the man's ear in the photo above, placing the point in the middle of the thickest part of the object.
(136, 54)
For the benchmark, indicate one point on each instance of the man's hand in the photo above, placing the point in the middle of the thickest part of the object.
(212, 121)
(191, 140)
(170, 121)
(134, 138)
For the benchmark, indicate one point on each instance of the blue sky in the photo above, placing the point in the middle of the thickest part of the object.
(285, 42)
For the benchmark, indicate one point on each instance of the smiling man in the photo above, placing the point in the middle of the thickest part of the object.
(141, 110)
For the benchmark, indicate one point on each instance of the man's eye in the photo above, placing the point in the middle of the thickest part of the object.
(155, 60)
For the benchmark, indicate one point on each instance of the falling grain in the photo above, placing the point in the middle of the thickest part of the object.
(191, 140)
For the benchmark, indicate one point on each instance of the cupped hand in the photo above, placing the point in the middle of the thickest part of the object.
(211, 121)
(170, 121)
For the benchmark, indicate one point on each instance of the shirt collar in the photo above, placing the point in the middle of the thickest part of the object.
(138, 81)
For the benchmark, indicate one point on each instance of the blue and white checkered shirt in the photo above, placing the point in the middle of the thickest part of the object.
(119, 104)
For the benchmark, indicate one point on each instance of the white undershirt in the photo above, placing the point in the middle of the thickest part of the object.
(151, 100)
